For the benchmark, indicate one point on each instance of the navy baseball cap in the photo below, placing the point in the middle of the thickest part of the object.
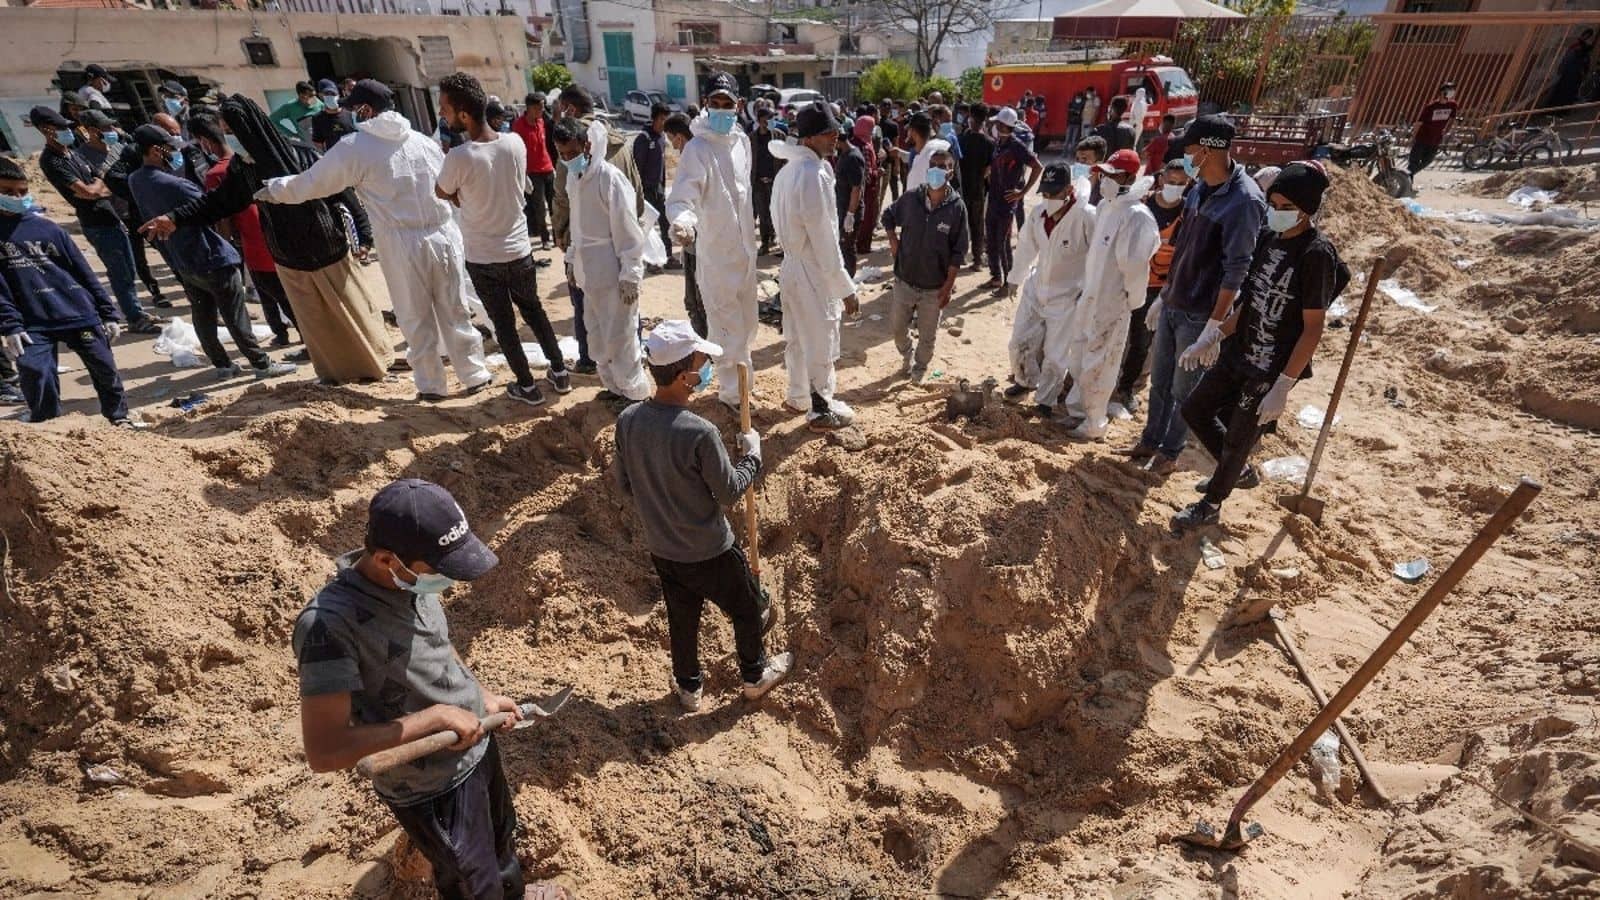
(41, 116)
(722, 83)
(95, 70)
(147, 136)
(1056, 178)
(1212, 131)
(416, 519)
(369, 92)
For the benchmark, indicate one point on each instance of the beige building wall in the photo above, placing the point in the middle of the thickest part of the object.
(209, 45)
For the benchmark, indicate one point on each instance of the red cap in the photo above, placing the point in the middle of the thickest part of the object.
(1125, 162)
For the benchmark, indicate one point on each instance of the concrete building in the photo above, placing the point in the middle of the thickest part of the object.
(258, 54)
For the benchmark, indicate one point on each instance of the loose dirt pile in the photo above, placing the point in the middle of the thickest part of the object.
(1572, 184)
(1011, 676)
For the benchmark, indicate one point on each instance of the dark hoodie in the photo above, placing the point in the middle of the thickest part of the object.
(932, 241)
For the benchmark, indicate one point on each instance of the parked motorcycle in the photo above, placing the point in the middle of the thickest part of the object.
(1377, 154)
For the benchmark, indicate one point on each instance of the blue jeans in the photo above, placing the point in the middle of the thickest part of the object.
(1164, 428)
(110, 243)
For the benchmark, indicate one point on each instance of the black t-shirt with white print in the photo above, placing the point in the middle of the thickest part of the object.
(1287, 277)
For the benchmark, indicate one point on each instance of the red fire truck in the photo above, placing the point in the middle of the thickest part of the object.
(1061, 75)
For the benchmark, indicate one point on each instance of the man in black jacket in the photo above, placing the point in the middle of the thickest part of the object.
(763, 168)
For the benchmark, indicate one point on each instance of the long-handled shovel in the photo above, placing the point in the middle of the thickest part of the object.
(750, 492)
(1303, 503)
(384, 760)
(1235, 836)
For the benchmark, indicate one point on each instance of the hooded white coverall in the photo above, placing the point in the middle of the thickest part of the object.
(918, 175)
(1050, 270)
(394, 168)
(812, 279)
(1114, 281)
(607, 248)
(711, 194)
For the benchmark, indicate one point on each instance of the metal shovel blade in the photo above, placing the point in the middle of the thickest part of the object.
(1204, 836)
(1302, 504)
(542, 707)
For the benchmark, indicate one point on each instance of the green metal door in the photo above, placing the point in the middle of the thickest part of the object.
(620, 73)
(677, 87)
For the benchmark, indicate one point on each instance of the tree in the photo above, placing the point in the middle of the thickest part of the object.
(549, 77)
(932, 22)
(970, 84)
(888, 79)
(943, 85)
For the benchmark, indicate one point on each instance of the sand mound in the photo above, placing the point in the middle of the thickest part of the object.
(1572, 184)
(1364, 222)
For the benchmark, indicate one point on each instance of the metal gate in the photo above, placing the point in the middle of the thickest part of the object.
(621, 77)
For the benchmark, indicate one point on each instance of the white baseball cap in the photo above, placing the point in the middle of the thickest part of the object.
(674, 339)
(1006, 116)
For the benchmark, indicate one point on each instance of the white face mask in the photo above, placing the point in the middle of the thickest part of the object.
(1172, 193)
(1052, 206)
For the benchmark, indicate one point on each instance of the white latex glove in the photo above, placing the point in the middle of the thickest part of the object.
(630, 292)
(262, 196)
(112, 330)
(849, 222)
(1271, 406)
(1153, 317)
(750, 443)
(14, 344)
(1205, 349)
(682, 235)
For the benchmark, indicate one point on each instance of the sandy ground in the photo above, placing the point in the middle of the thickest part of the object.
(1013, 680)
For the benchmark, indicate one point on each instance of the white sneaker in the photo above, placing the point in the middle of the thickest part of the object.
(689, 700)
(777, 670)
(1081, 432)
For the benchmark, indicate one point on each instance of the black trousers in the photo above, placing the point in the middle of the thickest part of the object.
(506, 289)
(761, 197)
(847, 249)
(657, 196)
(975, 196)
(579, 330)
(274, 303)
(41, 386)
(538, 204)
(1221, 412)
(217, 297)
(727, 581)
(140, 264)
(1137, 350)
(692, 304)
(1421, 156)
(469, 834)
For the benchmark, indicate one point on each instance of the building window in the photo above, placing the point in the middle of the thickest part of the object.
(259, 52)
(849, 43)
(783, 33)
(699, 34)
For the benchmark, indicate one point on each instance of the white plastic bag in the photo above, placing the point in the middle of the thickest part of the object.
(1403, 296)
(261, 332)
(1325, 763)
(655, 252)
(1285, 468)
(179, 341)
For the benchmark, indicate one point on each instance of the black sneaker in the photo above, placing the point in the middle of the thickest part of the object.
(1249, 478)
(147, 325)
(529, 394)
(1016, 392)
(431, 398)
(161, 302)
(585, 367)
(1195, 515)
(828, 421)
(480, 387)
(279, 341)
(1043, 410)
(11, 394)
(561, 381)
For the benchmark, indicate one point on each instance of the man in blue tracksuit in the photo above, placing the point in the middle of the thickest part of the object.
(210, 270)
(1222, 219)
(49, 296)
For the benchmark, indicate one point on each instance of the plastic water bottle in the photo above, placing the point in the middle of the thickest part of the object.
(1325, 763)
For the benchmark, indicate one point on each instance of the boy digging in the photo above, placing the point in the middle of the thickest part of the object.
(377, 670)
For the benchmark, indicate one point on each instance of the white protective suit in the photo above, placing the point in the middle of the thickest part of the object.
(394, 169)
(1137, 110)
(919, 166)
(607, 249)
(812, 279)
(1050, 270)
(711, 194)
(1115, 279)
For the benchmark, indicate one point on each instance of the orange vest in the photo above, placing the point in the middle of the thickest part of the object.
(1161, 263)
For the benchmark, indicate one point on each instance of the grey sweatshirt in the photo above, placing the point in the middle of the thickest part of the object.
(673, 464)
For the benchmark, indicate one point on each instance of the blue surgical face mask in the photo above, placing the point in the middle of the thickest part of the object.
(330, 101)
(237, 147)
(578, 164)
(431, 583)
(173, 105)
(505, 127)
(705, 377)
(110, 137)
(16, 206)
(947, 130)
(937, 177)
(176, 159)
(1080, 170)
(1281, 220)
(1190, 167)
(721, 121)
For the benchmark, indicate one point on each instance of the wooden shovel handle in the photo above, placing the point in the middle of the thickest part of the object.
(750, 493)
(378, 763)
(1344, 373)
